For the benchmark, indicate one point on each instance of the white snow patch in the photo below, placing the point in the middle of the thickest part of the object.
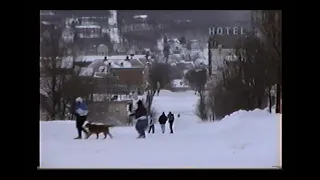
(179, 83)
(114, 58)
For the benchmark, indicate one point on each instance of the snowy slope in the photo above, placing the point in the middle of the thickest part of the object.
(241, 140)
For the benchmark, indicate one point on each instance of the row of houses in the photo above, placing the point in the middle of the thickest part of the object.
(122, 75)
(130, 71)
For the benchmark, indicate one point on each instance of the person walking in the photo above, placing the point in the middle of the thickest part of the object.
(171, 120)
(151, 124)
(81, 110)
(162, 121)
(140, 115)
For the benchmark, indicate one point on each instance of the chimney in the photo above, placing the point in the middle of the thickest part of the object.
(127, 58)
(105, 58)
(121, 64)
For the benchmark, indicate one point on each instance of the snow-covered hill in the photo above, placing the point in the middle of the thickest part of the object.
(241, 140)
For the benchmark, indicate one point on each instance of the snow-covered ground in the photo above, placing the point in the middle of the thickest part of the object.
(241, 140)
(179, 83)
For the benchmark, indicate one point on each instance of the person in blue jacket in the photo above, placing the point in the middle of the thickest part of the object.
(81, 110)
(140, 115)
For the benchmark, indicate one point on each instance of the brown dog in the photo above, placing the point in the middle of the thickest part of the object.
(97, 129)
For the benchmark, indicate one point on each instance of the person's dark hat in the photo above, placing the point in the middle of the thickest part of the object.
(139, 102)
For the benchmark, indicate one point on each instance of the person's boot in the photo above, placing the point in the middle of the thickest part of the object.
(141, 137)
(79, 135)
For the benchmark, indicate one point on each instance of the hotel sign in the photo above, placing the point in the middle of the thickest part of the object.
(226, 31)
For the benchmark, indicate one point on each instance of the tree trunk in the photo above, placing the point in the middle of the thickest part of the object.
(278, 97)
(150, 95)
(270, 99)
(64, 108)
(59, 110)
(54, 101)
(249, 101)
(259, 102)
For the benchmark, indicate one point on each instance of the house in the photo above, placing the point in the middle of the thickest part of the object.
(132, 79)
(128, 72)
(174, 44)
(103, 50)
(194, 44)
(220, 55)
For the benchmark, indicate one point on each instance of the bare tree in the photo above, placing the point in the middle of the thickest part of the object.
(51, 53)
(201, 108)
(76, 86)
(59, 78)
(268, 25)
(242, 81)
(159, 73)
(197, 79)
(210, 105)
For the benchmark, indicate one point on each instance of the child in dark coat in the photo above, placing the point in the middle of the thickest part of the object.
(162, 122)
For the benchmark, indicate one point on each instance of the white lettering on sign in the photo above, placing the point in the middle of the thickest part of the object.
(226, 31)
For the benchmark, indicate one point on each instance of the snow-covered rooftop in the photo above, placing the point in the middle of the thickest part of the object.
(88, 26)
(110, 63)
(140, 16)
(45, 22)
(118, 64)
(88, 71)
(117, 57)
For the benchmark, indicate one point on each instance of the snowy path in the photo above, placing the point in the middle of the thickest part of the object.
(244, 139)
